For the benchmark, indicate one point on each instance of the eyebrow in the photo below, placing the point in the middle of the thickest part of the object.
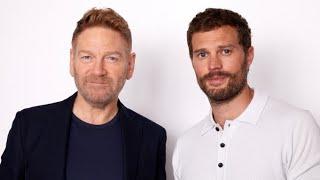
(113, 52)
(226, 46)
(84, 51)
(219, 47)
(199, 50)
(105, 54)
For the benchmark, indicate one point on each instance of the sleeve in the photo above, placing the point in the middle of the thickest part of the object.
(305, 153)
(12, 163)
(161, 170)
(175, 162)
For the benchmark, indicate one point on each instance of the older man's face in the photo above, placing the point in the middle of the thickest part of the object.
(100, 63)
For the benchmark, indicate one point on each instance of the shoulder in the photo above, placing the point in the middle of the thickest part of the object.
(41, 110)
(48, 109)
(289, 118)
(186, 143)
(39, 115)
(148, 125)
(190, 136)
(283, 111)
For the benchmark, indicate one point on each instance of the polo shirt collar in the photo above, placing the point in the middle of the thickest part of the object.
(209, 123)
(250, 115)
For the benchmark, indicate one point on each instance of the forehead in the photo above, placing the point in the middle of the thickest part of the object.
(100, 38)
(221, 36)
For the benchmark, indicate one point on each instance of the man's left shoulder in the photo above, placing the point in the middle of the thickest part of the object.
(145, 122)
(282, 111)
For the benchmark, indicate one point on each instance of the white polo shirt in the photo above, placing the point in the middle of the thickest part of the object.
(270, 140)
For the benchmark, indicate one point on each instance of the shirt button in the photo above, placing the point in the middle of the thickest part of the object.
(222, 145)
(217, 129)
(220, 165)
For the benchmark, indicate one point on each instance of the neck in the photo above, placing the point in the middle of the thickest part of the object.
(232, 109)
(92, 114)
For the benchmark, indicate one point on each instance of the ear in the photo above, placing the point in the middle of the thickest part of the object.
(250, 56)
(131, 62)
(71, 68)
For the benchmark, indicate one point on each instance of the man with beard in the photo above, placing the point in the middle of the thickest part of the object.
(91, 135)
(247, 135)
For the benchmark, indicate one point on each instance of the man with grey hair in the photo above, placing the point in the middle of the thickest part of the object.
(90, 135)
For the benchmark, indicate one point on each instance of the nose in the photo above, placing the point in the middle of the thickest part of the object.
(214, 62)
(99, 68)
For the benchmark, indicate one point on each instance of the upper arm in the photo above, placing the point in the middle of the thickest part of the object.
(305, 158)
(176, 162)
(161, 174)
(12, 160)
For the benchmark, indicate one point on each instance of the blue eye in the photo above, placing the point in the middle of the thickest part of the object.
(112, 58)
(86, 58)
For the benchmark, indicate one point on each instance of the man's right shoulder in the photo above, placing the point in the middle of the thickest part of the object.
(45, 108)
(192, 134)
(40, 114)
(186, 144)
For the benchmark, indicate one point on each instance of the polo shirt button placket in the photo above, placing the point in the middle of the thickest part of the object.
(220, 165)
(221, 152)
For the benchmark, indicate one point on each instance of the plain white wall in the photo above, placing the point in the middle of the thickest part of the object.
(35, 40)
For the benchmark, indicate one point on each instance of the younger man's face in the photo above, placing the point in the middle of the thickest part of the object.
(220, 63)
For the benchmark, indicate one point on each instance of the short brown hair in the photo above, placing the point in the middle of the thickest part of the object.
(213, 18)
(107, 18)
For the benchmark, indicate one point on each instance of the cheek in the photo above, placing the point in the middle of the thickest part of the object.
(117, 73)
(122, 70)
(82, 68)
(199, 69)
(233, 66)
(81, 74)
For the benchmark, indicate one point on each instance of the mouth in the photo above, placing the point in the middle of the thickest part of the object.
(98, 83)
(216, 80)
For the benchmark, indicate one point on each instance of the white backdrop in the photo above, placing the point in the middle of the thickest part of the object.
(35, 39)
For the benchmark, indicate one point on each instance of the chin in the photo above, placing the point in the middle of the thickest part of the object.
(100, 101)
(216, 89)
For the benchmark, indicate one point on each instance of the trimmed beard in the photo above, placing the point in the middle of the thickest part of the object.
(100, 100)
(237, 82)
